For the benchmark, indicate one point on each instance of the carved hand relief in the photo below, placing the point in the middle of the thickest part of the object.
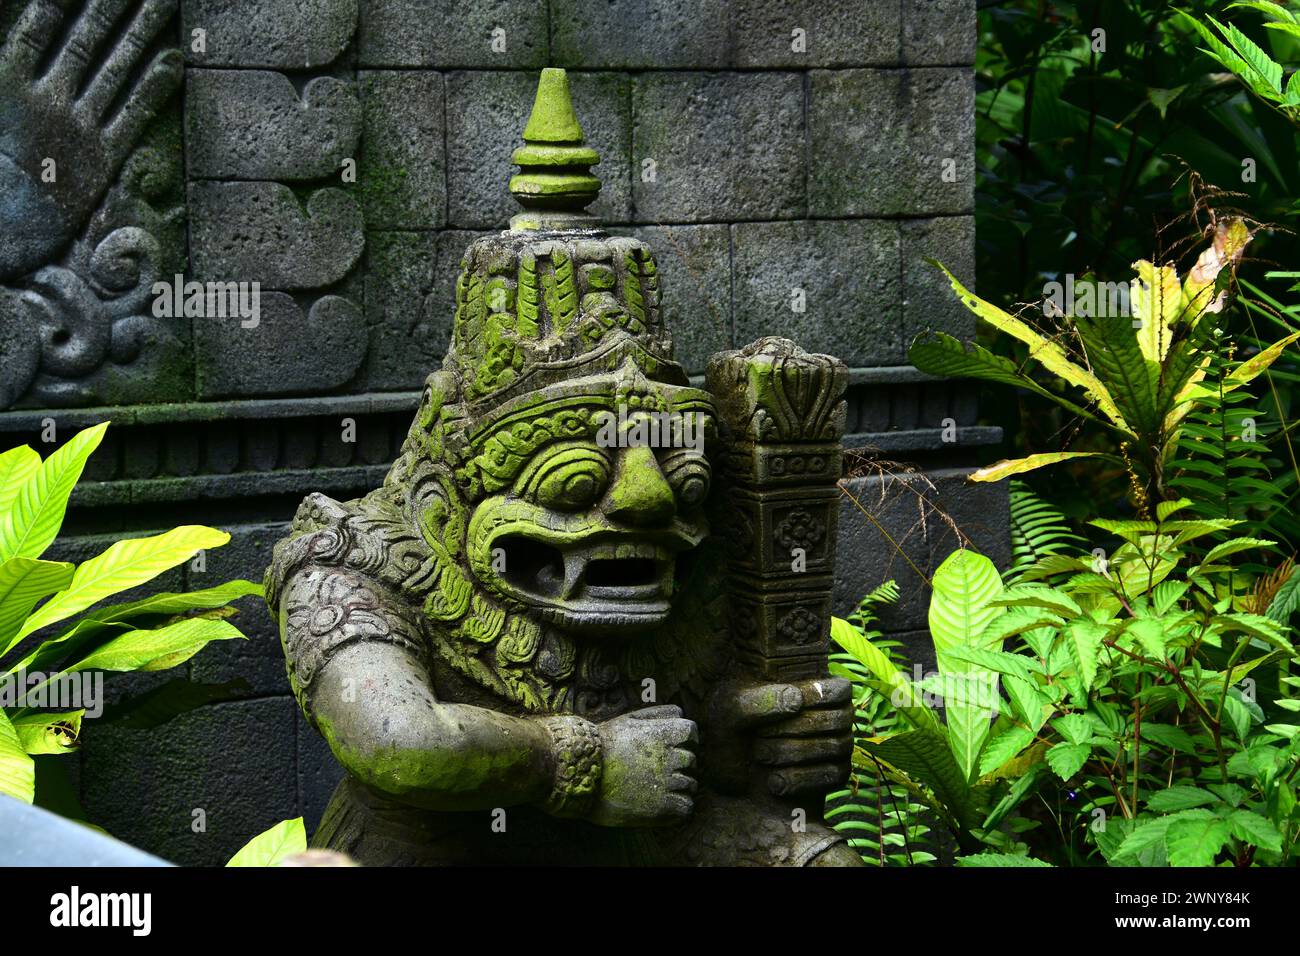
(544, 574)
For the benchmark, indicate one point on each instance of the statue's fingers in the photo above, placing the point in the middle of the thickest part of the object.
(811, 723)
(159, 82)
(761, 703)
(784, 752)
(810, 779)
(681, 759)
(126, 53)
(682, 783)
(825, 691)
(30, 38)
(74, 57)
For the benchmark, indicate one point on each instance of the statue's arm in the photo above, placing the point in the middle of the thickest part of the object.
(356, 663)
(358, 670)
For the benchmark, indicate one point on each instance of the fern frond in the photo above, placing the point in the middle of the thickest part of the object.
(1038, 529)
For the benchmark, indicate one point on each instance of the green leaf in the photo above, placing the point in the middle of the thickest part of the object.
(1265, 75)
(925, 757)
(1128, 377)
(1255, 829)
(17, 770)
(1284, 602)
(1266, 7)
(45, 733)
(1004, 747)
(1001, 860)
(1018, 466)
(124, 565)
(895, 686)
(17, 466)
(1075, 728)
(23, 582)
(157, 649)
(178, 602)
(1083, 638)
(1180, 797)
(270, 848)
(1068, 759)
(1150, 635)
(36, 514)
(1195, 841)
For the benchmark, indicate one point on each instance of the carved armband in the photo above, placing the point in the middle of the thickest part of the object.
(575, 744)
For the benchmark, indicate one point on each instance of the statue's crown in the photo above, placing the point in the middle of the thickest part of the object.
(555, 298)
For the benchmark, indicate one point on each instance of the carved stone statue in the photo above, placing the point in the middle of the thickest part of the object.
(584, 619)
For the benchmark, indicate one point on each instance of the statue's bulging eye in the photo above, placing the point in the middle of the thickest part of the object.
(570, 481)
(690, 476)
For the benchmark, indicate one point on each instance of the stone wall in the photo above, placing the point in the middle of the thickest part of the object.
(792, 162)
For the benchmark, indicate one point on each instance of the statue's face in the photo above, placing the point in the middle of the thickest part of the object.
(589, 531)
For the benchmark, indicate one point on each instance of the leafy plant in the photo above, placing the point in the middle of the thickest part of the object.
(150, 634)
(1243, 57)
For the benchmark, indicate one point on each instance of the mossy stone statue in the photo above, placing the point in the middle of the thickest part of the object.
(585, 618)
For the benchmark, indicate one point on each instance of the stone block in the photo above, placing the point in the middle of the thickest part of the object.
(252, 124)
(928, 300)
(453, 34)
(259, 660)
(817, 33)
(718, 146)
(939, 32)
(694, 264)
(403, 165)
(409, 305)
(196, 789)
(277, 34)
(640, 34)
(892, 142)
(260, 232)
(910, 509)
(289, 351)
(485, 124)
(843, 276)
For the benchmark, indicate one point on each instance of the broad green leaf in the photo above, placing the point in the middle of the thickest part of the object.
(17, 466)
(1157, 301)
(1083, 639)
(36, 512)
(1150, 636)
(1266, 7)
(178, 602)
(1287, 598)
(1265, 74)
(1129, 378)
(270, 848)
(1146, 842)
(898, 689)
(1018, 466)
(158, 649)
(1255, 829)
(1042, 349)
(1004, 747)
(124, 565)
(1248, 370)
(23, 582)
(962, 587)
(17, 771)
(1032, 705)
(1195, 841)
(1180, 797)
(1075, 728)
(1067, 759)
(45, 733)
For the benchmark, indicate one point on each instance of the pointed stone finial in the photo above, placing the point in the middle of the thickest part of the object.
(554, 183)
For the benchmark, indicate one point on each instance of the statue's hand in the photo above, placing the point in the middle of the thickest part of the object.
(802, 731)
(646, 777)
(85, 112)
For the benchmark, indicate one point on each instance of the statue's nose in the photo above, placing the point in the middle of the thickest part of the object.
(639, 495)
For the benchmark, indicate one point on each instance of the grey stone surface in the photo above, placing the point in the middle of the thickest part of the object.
(485, 123)
(911, 512)
(409, 304)
(235, 762)
(848, 273)
(725, 146)
(252, 124)
(453, 33)
(260, 232)
(291, 350)
(637, 34)
(280, 34)
(939, 32)
(887, 142)
(694, 264)
(833, 33)
(403, 162)
(928, 300)
(258, 660)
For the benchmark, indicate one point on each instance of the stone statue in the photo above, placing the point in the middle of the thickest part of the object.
(585, 618)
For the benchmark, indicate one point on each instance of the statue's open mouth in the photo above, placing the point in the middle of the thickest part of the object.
(610, 581)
